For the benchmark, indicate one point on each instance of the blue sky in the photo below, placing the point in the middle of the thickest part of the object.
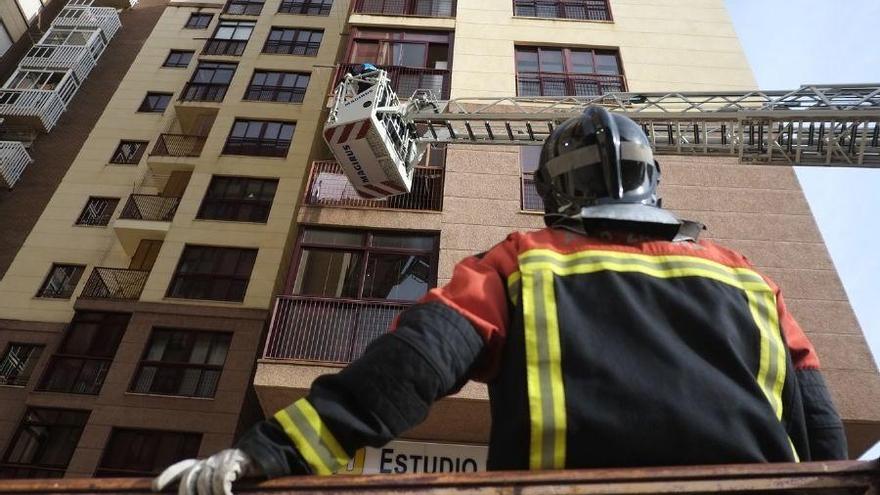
(820, 41)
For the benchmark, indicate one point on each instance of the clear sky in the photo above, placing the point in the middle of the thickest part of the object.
(790, 43)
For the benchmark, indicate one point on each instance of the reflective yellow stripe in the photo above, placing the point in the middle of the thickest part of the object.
(557, 387)
(513, 287)
(312, 438)
(762, 306)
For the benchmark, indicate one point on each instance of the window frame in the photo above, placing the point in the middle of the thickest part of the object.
(198, 25)
(567, 65)
(103, 472)
(288, 7)
(215, 336)
(274, 91)
(78, 270)
(135, 158)
(213, 276)
(281, 47)
(525, 178)
(144, 108)
(560, 3)
(232, 46)
(23, 423)
(23, 375)
(364, 250)
(246, 7)
(177, 65)
(209, 91)
(206, 200)
(260, 142)
(105, 216)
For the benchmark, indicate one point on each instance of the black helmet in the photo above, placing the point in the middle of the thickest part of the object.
(600, 165)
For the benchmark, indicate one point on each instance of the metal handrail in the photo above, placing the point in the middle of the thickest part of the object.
(150, 207)
(328, 186)
(430, 8)
(115, 283)
(179, 145)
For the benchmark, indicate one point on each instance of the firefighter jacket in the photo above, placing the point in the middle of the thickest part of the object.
(607, 351)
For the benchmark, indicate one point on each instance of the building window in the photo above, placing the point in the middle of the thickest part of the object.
(306, 7)
(230, 38)
(18, 363)
(290, 41)
(155, 102)
(81, 362)
(244, 7)
(44, 443)
(209, 82)
(259, 138)
(420, 8)
(145, 453)
(34, 79)
(567, 72)
(61, 281)
(366, 265)
(238, 199)
(178, 58)
(129, 152)
(590, 10)
(182, 362)
(285, 87)
(529, 157)
(213, 273)
(198, 21)
(97, 211)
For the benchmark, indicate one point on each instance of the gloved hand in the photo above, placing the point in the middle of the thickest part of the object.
(211, 476)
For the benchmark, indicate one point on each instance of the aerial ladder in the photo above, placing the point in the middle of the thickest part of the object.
(378, 138)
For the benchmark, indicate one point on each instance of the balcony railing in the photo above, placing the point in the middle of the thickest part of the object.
(568, 84)
(14, 159)
(115, 283)
(417, 8)
(588, 10)
(179, 145)
(328, 186)
(406, 80)
(194, 91)
(224, 47)
(80, 16)
(60, 57)
(44, 105)
(306, 328)
(150, 207)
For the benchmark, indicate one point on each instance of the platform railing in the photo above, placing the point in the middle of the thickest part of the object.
(14, 159)
(328, 186)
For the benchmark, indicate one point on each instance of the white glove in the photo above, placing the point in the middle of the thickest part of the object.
(211, 476)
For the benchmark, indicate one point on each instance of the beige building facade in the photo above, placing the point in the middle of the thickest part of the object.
(200, 247)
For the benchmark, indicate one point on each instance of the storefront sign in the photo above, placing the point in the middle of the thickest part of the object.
(417, 457)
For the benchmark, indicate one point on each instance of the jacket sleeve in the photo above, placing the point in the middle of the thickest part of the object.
(824, 427)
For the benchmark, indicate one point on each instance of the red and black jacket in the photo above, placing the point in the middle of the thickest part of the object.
(598, 353)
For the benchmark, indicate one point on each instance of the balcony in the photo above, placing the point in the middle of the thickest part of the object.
(36, 108)
(231, 48)
(179, 145)
(307, 328)
(14, 159)
(586, 10)
(568, 84)
(149, 207)
(414, 8)
(115, 283)
(328, 187)
(203, 92)
(77, 15)
(816, 478)
(78, 58)
(406, 80)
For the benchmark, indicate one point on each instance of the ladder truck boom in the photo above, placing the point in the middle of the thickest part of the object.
(378, 139)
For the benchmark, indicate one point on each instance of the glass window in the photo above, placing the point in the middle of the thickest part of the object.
(61, 281)
(291, 41)
(592, 10)
(209, 82)
(178, 58)
(259, 138)
(145, 453)
(129, 152)
(18, 363)
(84, 357)
(306, 7)
(97, 211)
(213, 273)
(155, 102)
(285, 87)
(198, 21)
(244, 7)
(44, 443)
(409, 54)
(182, 362)
(567, 72)
(238, 199)
(529, 159)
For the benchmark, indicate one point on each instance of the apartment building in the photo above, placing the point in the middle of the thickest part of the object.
(201, 245)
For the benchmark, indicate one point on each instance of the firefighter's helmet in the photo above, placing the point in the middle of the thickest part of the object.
(601, 165)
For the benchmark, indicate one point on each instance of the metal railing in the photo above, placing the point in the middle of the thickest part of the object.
(115, 283)
(44, 105)
(416, 8)
(80, 16)
(179, 145)
(568, 84)
(406, 80)
(588, 10)
(150, 207)
(328, 186)
(307, 328)
(14, 158)
(194, 91)
(224, 47)
(531, 200)
(80, 59)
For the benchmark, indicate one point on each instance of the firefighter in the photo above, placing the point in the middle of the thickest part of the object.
(612, 338)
